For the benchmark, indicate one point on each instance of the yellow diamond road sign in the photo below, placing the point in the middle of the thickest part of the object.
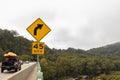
(38, 29)
(37, 47)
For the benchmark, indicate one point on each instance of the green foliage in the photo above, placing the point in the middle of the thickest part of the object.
(112, 76)
(78, 64)
(10, 41)
(24, 57)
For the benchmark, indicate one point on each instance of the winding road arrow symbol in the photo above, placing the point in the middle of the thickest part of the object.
(39, 26)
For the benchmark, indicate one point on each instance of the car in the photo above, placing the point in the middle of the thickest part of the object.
(26, 62)
(10, 63)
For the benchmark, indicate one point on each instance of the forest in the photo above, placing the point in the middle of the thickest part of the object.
(101, 63)
(78, 65)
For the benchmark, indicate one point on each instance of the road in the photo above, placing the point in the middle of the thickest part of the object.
(33, 75)
(6, 74)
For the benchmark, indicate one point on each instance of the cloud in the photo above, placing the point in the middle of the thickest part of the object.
(74, 23)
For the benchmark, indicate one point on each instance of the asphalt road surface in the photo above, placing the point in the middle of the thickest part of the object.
(6, 74)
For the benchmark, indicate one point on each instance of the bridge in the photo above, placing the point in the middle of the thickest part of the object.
(29, 71)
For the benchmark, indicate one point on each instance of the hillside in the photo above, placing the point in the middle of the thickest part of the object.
(11, 41)
(112, 49)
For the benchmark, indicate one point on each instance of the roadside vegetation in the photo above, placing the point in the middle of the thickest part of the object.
(80, 65)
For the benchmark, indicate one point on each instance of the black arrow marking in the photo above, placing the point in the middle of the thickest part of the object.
(39, 26)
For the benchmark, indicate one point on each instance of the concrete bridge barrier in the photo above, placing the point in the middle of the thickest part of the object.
(23, 74)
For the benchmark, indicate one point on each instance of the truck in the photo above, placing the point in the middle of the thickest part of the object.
(10, 62)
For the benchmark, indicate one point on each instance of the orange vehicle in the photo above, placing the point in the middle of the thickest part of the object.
(10, 62)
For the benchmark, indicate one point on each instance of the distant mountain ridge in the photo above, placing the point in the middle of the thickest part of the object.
(111, 49)
(11, 41)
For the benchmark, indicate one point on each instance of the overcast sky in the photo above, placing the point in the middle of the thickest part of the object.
(83, 24)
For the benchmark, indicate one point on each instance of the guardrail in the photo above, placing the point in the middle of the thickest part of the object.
(39, 73)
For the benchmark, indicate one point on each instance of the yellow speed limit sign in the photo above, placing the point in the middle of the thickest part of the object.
(37, 47)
